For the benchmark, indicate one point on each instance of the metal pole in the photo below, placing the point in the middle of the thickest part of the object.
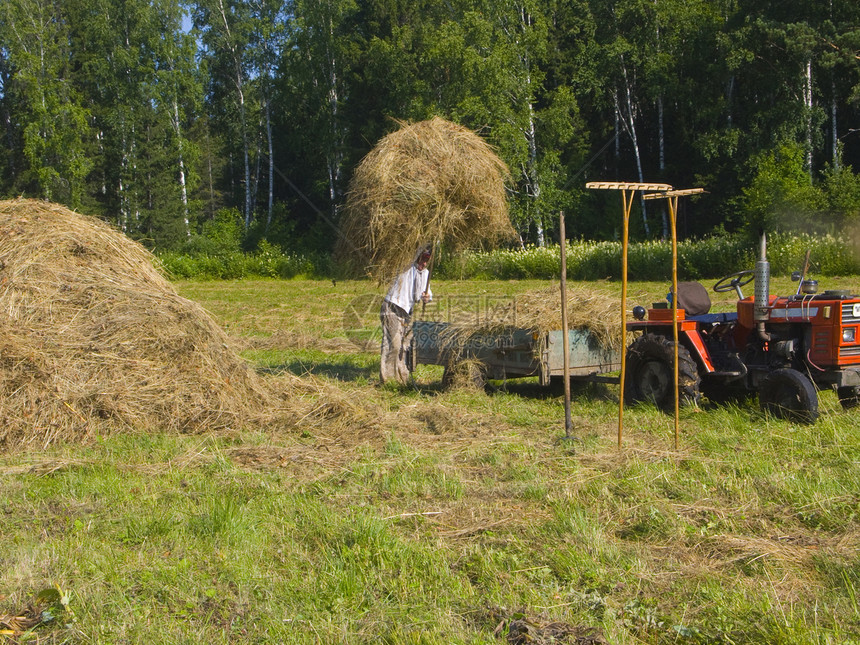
(673, 210)
(624, 186)
(568, 422)
(672, 197)
(628, 204)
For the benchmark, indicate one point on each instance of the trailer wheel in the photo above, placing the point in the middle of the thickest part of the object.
(788, 394)
(468, 373)
(650, 373)
(849, 397)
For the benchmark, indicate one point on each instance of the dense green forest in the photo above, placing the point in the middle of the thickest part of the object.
(160, 114)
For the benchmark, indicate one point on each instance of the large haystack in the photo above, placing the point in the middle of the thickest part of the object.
(92, 336)
(427, 182)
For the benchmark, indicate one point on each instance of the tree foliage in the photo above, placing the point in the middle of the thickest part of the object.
(158, 114)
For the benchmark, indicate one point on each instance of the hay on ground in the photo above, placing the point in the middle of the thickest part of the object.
(431, 181)
(92, 336)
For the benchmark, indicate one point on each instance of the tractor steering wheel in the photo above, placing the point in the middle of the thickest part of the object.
(735, 281)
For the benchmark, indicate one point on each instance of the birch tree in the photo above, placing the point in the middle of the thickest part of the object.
(51, 121)
(226, 27)
(319, 61)
(622, 68)
(271, 19)
(488, 63)
(178, 94)
(521, 48)
(114, 53)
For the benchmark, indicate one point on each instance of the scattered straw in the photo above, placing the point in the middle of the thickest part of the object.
(431, 181)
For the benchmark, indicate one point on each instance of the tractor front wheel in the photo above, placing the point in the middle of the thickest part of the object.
(650, 373)
(788, 394)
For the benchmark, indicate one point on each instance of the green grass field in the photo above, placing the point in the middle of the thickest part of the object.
(422, 516)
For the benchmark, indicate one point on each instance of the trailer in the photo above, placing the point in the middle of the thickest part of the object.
(513, 353)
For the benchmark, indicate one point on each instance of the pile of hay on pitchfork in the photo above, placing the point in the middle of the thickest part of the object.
(92, 337)
(431, 181)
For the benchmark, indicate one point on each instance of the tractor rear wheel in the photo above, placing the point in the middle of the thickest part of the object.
(650, 373)
(788, 394)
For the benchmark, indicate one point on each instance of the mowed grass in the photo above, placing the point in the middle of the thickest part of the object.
(417, 515)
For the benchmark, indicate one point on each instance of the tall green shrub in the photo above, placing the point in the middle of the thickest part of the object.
(781, 195)
(708, 258)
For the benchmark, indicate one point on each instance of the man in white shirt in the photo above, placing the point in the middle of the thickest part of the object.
(408, 288)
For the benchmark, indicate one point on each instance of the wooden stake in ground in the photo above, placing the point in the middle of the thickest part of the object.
(568, 422)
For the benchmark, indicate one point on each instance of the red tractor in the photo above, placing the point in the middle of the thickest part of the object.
(783, 348)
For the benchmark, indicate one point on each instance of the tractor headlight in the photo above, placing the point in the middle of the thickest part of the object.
(848, 334)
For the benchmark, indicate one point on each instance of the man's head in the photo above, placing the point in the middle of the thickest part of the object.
(423, 258)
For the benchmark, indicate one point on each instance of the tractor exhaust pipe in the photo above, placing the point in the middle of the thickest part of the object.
(761, 309)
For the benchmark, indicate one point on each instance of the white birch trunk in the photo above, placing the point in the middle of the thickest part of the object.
(240, 94)
(270, 201)
(534, 181)
(245, 156)
(807, 103)
(730, 91)
(531, 180)
(630, 124)
(661, 135)
(532, 173)
(135, 195)
(661, 144)
(617, 127)
(255, 177)
(183, 186)
(335, 156)
(123, 198)
(834, 138)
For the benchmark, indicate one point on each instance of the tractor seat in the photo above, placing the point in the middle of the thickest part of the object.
(693, 298)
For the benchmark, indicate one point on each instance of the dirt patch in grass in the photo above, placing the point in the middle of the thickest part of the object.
(434, 422)
(524, 628)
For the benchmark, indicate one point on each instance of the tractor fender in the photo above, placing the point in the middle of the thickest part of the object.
(697, 348)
